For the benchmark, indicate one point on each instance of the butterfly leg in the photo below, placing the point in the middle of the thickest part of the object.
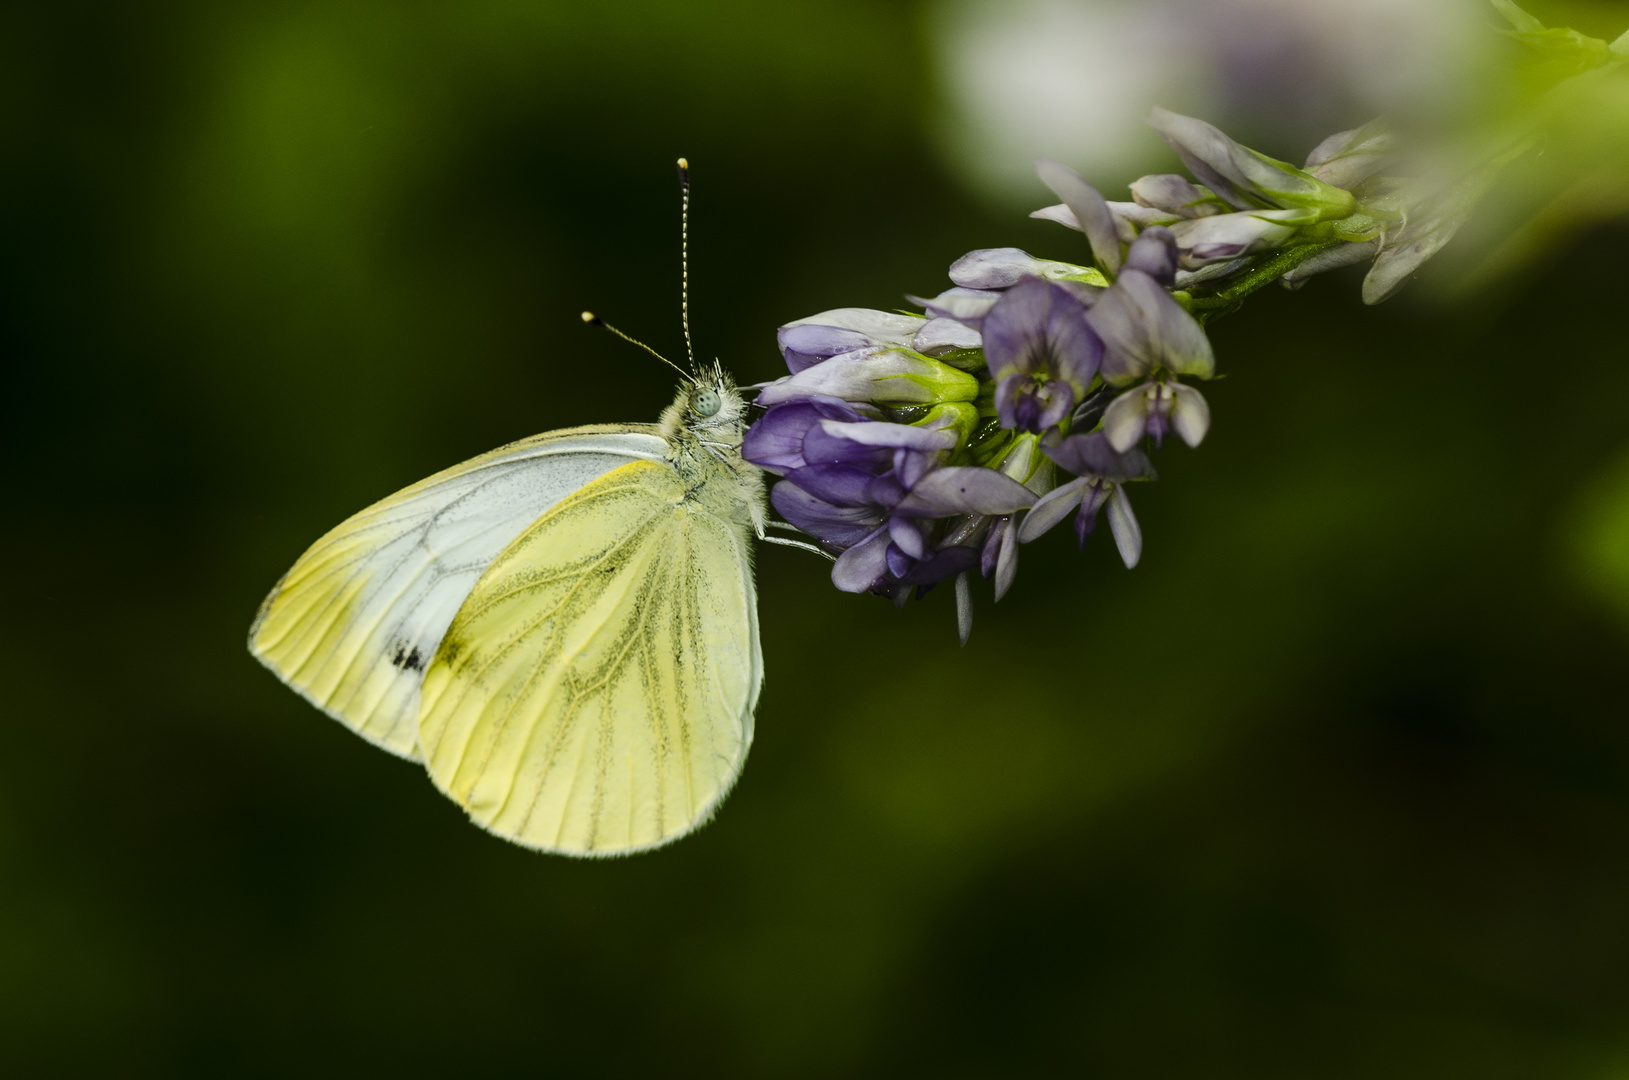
(798, 544)
(762, 522)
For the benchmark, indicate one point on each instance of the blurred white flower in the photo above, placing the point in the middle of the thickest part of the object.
(1073, 79)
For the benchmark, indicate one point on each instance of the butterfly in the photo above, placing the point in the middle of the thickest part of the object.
(564, 631)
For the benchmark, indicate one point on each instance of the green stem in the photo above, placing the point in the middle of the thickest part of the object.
(1230, 299)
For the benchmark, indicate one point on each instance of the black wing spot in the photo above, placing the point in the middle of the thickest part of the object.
(406, 656)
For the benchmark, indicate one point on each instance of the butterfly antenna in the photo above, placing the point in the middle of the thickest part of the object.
(684, 258)
(594, 320)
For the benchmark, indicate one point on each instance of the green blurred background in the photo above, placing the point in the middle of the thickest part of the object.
(1334, 784)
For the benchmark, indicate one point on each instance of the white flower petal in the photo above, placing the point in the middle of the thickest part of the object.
(1006, 561)
(1126, 418)
(1128, 535)
(1059, 213)
(889, 327)
(964, 607)
(1051, 508)
(1190, 414)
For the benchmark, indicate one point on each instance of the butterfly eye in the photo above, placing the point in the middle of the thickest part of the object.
(705, 403)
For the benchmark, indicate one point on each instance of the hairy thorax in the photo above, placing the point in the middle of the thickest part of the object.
(705, 447)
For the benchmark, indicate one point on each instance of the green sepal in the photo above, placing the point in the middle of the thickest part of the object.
(1328, 201)
(1356, 229)
(1023, 457)
(1088, 274)
(987, 446)
(964, 359)
(940, 380)
(986, 399)
(957, 416)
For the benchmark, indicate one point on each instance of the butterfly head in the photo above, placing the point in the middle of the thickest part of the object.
(711, 401)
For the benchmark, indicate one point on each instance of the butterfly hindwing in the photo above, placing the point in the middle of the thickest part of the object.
(594, 695)
(354, 624)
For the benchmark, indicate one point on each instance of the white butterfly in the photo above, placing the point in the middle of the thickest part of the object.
(564, 631)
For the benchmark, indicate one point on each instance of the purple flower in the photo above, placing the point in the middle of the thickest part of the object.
(898, 550)
(999, 557)
(1143, 329)
(918, 448)
(1163, 199)
(1102, 472)
(872, 489)
(1042, 353)
(1153, 409)
(775, 442)
(1204, 234)
(852, 472)
(1156, 255)
(1022, 461)
(807, 345)
(887, 453)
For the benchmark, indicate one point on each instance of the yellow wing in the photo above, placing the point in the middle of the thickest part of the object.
(354, 624)
(594, 696)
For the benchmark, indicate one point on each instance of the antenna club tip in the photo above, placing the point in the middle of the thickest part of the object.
(591, 319)
(684, 163)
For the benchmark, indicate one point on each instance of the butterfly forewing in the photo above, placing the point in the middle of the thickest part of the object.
(594, 695)
(353, 626)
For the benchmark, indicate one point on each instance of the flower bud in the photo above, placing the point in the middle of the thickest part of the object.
(1227, 236)
(878, 375)
(1348, 158)
(805, 342)
(998, 268)
(966, 306)
(1243, 177)
(941, 336)
(775, 442)
(1130, 219)
(1330, 259)
(1174, 194)
(1155, 253)
(959, 417)
(1430, 221)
